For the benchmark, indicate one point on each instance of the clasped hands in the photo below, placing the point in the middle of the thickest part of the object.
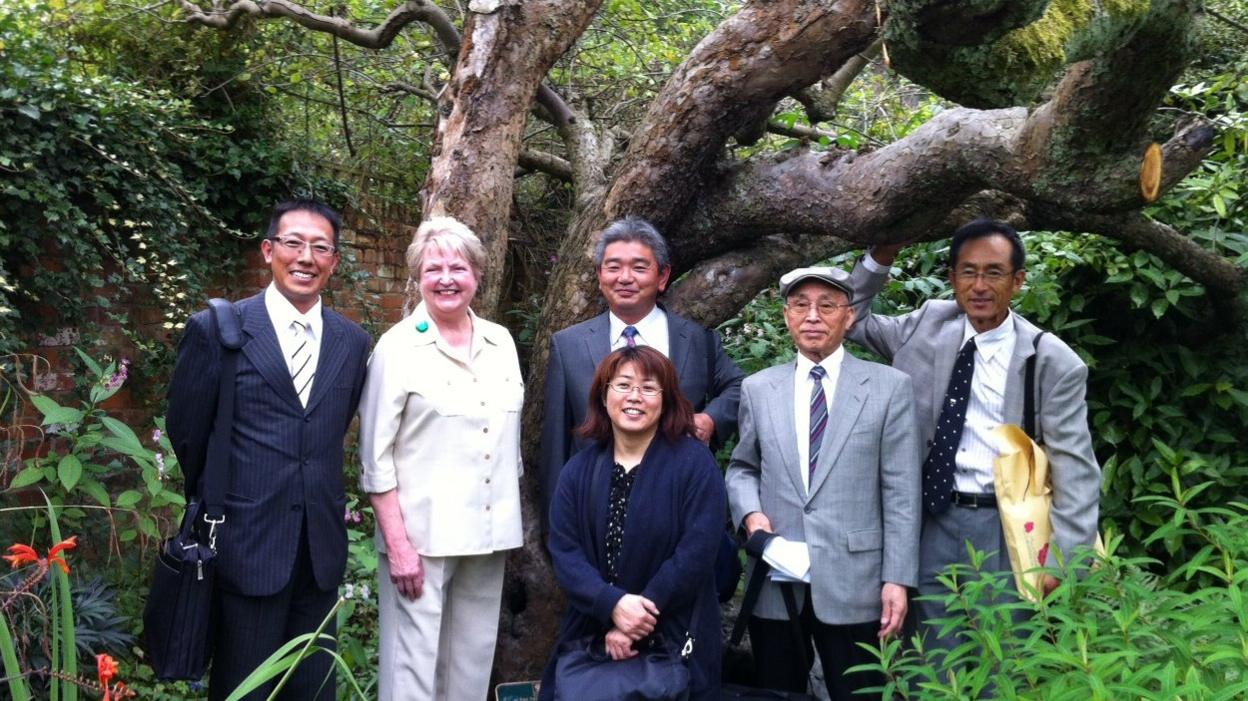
(634, 617)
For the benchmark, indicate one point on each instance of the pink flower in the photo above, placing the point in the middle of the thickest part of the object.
(1043, 554)
(1029, 527)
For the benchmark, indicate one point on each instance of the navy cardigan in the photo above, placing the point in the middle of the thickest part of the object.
(671, 538)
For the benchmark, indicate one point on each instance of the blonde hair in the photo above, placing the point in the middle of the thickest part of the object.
(451, 236)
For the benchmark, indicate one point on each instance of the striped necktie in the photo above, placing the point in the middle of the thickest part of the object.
(301, 369)
(818, 414)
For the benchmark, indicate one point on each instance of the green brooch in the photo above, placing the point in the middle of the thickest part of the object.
(422, 326)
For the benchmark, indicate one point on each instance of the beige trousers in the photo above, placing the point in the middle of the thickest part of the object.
(441, 645)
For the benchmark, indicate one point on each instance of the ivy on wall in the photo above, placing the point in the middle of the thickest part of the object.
(112, 191)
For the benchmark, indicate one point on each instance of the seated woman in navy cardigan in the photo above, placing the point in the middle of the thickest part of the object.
(635, 548)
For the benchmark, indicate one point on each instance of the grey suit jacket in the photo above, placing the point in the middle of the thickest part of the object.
(708, 378)
(925, 342)
(861, 516)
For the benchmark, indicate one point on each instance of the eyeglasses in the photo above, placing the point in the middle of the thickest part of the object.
(628, 387)
(294, 245)
(990, 276)
(802, 307)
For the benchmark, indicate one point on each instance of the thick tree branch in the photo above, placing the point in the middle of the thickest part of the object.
(763, 53)
(719, 287)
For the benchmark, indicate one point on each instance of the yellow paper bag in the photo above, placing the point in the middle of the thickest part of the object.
(1024, 500)
(1020, 475)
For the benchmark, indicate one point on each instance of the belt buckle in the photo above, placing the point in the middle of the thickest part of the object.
(969, 500)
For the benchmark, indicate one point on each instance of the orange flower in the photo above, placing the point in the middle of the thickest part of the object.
(53, 556)
(106, 668)
(22, 555)
(26, 555)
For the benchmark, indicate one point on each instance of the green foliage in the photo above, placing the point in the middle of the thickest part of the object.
(1114, 632)
(58, 634)
(111, 187)
(94, 458)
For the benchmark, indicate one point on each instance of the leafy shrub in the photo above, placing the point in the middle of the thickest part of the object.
(87, 460)
(1116, 632)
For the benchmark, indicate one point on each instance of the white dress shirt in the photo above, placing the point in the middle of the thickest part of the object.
(446, 434)
(282, 314)
(986, 409)
(803, 385)
(651, 331)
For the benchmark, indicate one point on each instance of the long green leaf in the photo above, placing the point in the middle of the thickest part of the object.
(54, 413)
(122, 431)
(285, 659)
(62, 616)
(17, 682)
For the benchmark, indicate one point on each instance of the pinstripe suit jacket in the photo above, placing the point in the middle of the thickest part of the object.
(860, 518)
(925, 343)
(286, 461)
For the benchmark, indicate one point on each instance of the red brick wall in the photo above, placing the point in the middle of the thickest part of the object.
(378, 252)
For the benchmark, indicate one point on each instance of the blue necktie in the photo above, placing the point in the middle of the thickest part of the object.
(630, 336)
(818, 415)
(939, 467)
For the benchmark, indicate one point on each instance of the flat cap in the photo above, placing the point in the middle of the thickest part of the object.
(833, 276)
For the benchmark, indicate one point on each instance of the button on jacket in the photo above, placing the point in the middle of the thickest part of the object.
(447, 435)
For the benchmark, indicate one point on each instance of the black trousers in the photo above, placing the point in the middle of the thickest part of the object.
(250, 628)
(779, 664)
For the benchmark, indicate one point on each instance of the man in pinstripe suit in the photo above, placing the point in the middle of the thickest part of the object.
(283, 547)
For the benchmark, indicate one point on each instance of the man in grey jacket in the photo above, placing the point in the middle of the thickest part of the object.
(968, 360)
(828, 460)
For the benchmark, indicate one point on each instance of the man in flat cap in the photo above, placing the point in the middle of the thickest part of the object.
(828, 460)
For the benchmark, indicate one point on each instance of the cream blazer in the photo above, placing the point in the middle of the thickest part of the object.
(446, 435)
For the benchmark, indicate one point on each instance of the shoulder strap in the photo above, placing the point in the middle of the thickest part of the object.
(229, 322)
(1029, 395)
(754, 547)
(216, 473)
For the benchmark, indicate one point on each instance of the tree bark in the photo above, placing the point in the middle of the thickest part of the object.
(504, 56)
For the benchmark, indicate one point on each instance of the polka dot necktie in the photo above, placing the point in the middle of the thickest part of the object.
(939, 467)
(818, 414)
(630, 336)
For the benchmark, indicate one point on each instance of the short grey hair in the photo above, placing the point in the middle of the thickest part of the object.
(631, 229)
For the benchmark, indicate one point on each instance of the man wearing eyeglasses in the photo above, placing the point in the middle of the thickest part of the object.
(968, 358)
(633, 269)
(282, 549)
(828, 460)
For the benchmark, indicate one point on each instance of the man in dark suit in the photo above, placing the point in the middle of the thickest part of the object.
(967, 357)
(282, 549)
(633, 269)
